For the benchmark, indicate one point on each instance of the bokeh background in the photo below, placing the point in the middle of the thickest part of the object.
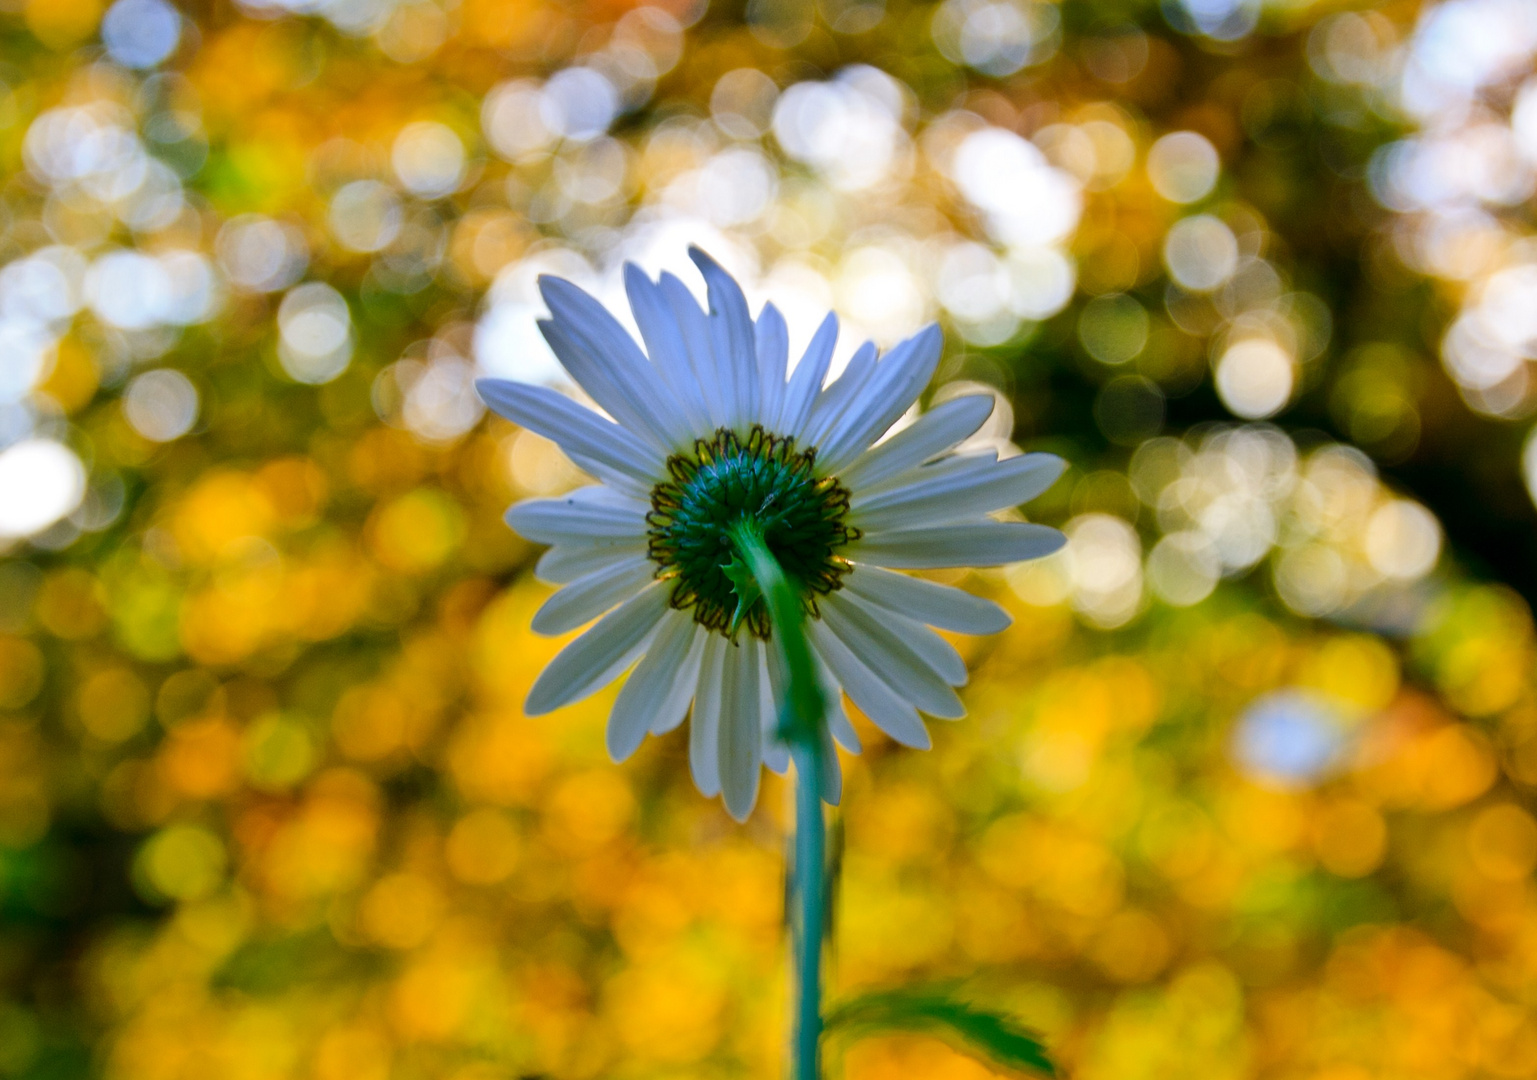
(1245, 792)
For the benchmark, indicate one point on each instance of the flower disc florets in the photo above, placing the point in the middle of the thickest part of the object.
(727, 480)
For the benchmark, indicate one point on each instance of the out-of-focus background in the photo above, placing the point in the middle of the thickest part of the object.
(1245, 792)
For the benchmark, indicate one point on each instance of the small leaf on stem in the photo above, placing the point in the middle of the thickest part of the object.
(937, 1011)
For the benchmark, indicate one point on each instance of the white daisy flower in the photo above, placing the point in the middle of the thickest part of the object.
(707, 428)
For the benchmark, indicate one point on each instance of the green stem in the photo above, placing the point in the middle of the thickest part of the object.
(810, 887)
(801, 717)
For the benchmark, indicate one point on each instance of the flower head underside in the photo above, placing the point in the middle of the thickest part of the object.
(762, 478)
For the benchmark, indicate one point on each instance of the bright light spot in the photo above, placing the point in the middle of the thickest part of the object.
(428, 159)
(654, 33)
(128, 289)
(1028, 201)
(1507, 309)
(140, 33)
(1338, 490)
(156, 202)
(1183, 568)
(743, 102)
(1043, 582)
(435, 401)
(1242, 527)
(1225, 506)
(1183, 167)
(1114, 328)
(1351, 47)
(161, 405)
(1099, 153)
(803, 295)
(578, 103)
(731, 188)
(88, 145)
(260, 254)
(1472, 353)
(40, 481)
(996, 37)
(972, 282)
(848, 128)
(877, 289)
(46, 286)
(1403, 540)
(1254, 378)
(1224, 20)
(27, 350)
(1201, 253)
(593, 172)
(1288, 738)
(192, 290)
(513, 120)
(1529, 464)
(1463, 45)
(1523, 120)
(315, 329)
(1312, 580)
(1043, 280)
(365, 215)
(1106, 558)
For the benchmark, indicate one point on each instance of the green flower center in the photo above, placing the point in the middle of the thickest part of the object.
(726, 480)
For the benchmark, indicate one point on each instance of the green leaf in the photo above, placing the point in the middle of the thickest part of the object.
(935, 1010)
(746, 588)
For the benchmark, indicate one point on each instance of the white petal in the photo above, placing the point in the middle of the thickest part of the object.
(806, 379)
(832, 771)
(984, 487)
(741, 731)
(658, 691)
(937, 653)
(704, 724)
(694, 329)
(773, 340)
(979, 543)
(776, 754)
(927, 601)
(875, 699)
(587, 598)
(832, 403)
(621, 483)
(949, 466)
(591, 326)
(568, 561)
(838, 723)
(588, 513)
(898, 380)
(596, 658)
(892, 657)
(732, 335)
(832, 698)
(665, 345)
(686, 682)
(941, 428)
(576, 429)
(623, 391)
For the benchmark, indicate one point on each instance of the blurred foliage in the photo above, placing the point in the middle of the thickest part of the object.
(1254, 801)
